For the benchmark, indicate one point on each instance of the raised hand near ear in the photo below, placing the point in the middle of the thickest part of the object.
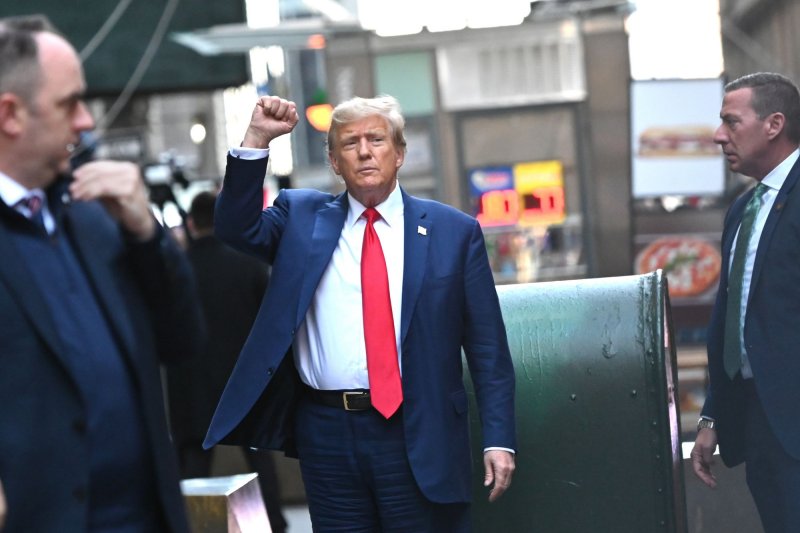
(120, 187)
(272, 117)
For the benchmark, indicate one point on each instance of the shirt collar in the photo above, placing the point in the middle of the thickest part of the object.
(12, 192)
(391, 209)
(775, 179)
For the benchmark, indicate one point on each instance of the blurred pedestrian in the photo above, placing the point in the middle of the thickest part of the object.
(93, 295)
(230, 286)
(354, 362)
(753, 363)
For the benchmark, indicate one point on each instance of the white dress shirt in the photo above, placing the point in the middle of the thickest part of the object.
(329, 346)
(775, 181)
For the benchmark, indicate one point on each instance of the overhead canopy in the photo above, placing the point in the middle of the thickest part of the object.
(239, 38)
(114, 61)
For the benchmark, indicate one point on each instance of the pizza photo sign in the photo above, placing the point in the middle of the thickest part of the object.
(690, 264)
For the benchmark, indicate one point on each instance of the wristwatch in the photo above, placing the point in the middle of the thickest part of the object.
(705, 423)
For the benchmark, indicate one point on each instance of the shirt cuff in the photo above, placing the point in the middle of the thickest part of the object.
(249, 154)
(490, 448)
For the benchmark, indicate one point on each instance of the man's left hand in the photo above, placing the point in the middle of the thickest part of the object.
(499, 466)
(703, 456)
(119, 185)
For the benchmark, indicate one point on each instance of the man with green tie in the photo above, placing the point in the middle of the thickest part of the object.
(754, 334)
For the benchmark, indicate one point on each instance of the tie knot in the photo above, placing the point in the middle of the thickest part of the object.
(760, 190)
(33, 203)
(371, 214)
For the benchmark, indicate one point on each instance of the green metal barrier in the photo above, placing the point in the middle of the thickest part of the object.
(597, 417)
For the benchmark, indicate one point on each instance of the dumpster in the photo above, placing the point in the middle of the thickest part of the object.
(597, 418)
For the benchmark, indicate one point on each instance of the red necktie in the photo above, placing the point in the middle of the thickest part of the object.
(382, 365)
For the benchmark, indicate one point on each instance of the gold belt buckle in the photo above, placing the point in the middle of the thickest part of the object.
(346, 395)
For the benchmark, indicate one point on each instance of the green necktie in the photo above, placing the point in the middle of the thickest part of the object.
(732, 355)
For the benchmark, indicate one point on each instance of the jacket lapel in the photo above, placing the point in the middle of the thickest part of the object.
(772, 220)
(735, 218)
(416, 238)
(324, 238)
(26, 292)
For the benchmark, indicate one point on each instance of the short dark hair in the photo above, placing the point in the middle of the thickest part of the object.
(19, 54)
(772, 93)
(202, 210)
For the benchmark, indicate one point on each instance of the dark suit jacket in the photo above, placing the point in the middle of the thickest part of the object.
(146, 293)
(449, 302)
(771, 330)
(230, 285)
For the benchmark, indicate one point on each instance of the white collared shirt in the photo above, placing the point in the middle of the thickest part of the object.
(329, 346)
(249, 154)
(774, 180)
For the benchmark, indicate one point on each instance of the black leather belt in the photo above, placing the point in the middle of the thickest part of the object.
(349, 400)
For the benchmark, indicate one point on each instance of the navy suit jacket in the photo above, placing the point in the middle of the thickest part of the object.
(146, 292)
(771, 330)
(449, 302)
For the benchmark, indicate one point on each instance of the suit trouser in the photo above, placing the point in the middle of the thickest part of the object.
(358, 478)
(772, 475)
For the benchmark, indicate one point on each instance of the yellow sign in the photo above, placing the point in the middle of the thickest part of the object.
(540, 186)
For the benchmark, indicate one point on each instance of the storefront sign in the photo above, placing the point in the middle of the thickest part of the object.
(525, 194)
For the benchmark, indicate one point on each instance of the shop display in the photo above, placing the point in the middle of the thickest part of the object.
(692, 265)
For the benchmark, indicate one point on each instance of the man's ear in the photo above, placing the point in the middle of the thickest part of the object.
(334, 163)
(13, 114)
(775, 124)
(401, 156)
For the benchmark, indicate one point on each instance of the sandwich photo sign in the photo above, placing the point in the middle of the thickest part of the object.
(672, 127)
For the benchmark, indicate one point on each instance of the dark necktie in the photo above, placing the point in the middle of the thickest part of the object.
(386, 391)
(732, 354)
(33, 205)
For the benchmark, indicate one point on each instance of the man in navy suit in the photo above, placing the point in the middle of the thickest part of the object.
(754, 334)
(93, 294)
(302, 383)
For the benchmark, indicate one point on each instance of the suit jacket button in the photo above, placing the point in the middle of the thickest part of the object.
(270, 371)
(79, 426)
(79, 494)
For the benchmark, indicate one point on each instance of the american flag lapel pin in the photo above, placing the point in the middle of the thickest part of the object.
(422, 231)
